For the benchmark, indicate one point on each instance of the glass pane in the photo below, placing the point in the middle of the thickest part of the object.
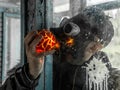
(113, 49)
(10, 37)
(10, 1)
(66, 8)
(12, 44)
(61, 6)
(14, 39)
(89, 59)
(94, 2)
(60, 9)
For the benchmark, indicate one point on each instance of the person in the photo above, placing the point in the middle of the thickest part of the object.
(82, 65)
(78, 63)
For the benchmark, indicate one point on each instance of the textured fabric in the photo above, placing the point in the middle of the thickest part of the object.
(74, 77)
(20, 80)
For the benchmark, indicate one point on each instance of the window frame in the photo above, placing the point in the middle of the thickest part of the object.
(5, 30)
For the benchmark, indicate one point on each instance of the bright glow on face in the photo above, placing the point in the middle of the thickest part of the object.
(70, 42)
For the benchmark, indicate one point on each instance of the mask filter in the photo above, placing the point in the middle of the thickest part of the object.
(71, 29)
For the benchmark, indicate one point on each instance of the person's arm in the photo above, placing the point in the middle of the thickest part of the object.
(26, 78)
(20, 80)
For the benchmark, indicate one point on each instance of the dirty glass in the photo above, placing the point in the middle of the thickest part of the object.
(11, 38)
(113, 50)
(59, 7)
(93, 2)
(97, 72)
(12, 44)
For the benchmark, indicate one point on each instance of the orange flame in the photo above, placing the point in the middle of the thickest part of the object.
(69, 41)
(47, 43)
(57, 45)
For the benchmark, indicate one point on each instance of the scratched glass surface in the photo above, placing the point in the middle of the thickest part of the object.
(11, 37)
(96, 81)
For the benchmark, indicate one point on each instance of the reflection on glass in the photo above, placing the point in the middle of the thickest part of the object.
(61, 6)
(94, 2)
(113, 50)
(94, 69)
(12, 44)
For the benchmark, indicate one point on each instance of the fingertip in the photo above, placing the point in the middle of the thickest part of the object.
(41, 61)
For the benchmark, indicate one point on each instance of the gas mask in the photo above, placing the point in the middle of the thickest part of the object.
(72, 39)
(77, 32)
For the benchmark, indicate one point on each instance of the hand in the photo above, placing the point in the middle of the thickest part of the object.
(35, 60)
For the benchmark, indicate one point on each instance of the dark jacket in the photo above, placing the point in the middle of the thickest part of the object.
(20, 80)
(66, 76)
(83, 77)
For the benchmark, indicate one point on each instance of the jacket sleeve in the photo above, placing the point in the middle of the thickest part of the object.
(20, 80)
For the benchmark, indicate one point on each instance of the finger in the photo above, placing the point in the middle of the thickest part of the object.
(30, 36)
(41, 60)
(33, 31)
(39, 55)
(34, 43)
(28, 39)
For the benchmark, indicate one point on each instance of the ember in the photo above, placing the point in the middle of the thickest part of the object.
(70, 42)
(47, 43)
